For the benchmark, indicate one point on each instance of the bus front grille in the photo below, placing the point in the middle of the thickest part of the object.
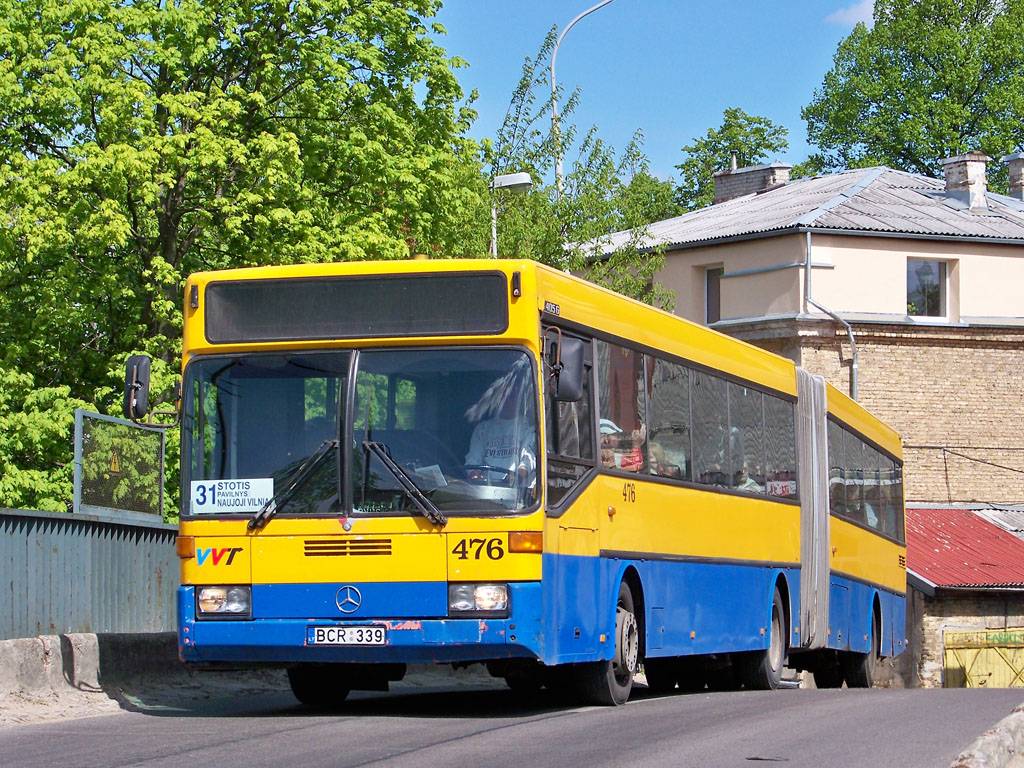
(346, 547)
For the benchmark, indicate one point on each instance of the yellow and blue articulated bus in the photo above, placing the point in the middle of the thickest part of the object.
(495, 462)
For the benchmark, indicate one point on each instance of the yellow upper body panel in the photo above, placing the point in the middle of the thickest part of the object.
(577, 300)
(584, 303)
(522, 329)
(854, 415)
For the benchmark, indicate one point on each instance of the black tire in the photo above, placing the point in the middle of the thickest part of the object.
(317, 685)
(525, 681)
(662, 674)
(860, 668)
(608, 683)
(828, 677)
(762, 670)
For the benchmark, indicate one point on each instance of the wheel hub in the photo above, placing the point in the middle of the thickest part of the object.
(627, 647)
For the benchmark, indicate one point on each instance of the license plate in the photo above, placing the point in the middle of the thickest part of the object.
(373, 634)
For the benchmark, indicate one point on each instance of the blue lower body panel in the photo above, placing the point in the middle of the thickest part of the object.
(689, 607)
(284, 639)
(851, 608)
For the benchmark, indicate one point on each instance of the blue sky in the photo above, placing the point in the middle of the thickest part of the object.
(667, 67)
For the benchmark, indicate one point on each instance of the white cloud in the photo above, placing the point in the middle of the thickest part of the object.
(848, 17)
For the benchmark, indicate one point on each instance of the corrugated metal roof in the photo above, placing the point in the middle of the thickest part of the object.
(878, 200)
(1007, 518)
(958, 548)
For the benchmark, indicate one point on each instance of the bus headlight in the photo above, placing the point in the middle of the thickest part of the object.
(477, 598)
(224, 601)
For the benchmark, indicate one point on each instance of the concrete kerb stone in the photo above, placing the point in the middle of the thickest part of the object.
(74, 672)
(50, 664)
(998, 747)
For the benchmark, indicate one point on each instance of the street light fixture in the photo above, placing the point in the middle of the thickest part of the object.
(513, 182)
(554, 100)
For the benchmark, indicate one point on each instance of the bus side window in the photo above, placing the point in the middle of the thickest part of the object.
(854, 478)
(710, 429)
(780, 447)
(898, 503)
(836, 470)
(623, 408)
(746, 439)
(670, 419)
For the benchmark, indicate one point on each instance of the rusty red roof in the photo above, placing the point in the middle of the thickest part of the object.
(958, 548)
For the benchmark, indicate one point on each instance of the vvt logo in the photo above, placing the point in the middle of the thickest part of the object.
(216, 555)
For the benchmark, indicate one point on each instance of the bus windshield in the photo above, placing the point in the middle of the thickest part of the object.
(460, 424)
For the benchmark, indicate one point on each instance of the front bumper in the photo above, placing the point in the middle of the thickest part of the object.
(264, 640)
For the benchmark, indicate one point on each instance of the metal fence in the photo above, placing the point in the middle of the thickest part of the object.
(108, 571)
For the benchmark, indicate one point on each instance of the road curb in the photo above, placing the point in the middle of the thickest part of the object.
(54, 665)
(998, 746)
(51, 664)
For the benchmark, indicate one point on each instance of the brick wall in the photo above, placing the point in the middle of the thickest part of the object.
(928, 617)
(955, 395)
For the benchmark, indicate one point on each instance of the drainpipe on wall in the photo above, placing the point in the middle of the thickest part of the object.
(834, 316)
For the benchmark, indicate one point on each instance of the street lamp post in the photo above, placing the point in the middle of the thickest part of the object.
(554, 99)
(513, 182)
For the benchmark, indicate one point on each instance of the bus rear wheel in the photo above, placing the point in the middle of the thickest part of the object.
(318, 685)
(860, 667)
(609, 682)
(762, 670)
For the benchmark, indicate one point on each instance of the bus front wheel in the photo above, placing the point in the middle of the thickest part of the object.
(317, 685)
(609, 682)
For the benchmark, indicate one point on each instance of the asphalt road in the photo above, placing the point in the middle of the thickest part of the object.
(494, 728)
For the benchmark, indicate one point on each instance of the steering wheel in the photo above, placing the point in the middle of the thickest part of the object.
(487, 476)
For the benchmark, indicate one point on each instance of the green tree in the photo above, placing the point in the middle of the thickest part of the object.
(750, 138)
(36, 423)
(931, 79)
(142, 141)
(600, 194)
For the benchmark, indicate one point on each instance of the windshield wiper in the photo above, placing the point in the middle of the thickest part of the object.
(426, 507)
(291, 484)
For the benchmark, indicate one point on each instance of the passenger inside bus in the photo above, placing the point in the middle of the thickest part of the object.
(503, 437)
(619, 450)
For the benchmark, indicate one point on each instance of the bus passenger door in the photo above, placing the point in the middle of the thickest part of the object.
(572, 578)
(812, 469)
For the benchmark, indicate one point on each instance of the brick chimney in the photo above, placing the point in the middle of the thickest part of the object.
(737, 182)
(965, 180)
(1016, 163)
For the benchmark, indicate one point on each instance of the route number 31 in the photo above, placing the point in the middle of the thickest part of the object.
(474, 548)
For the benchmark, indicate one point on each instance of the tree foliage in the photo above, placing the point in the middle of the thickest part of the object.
(601, 194)
(36, 466)
(931, 79)
(142, 141)
(750, 138)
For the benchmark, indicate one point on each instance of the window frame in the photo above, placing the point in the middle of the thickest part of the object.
(943, 288)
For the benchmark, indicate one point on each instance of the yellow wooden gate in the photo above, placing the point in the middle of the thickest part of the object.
(991, 658)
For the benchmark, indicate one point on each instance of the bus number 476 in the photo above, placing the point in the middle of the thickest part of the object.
(492, 547)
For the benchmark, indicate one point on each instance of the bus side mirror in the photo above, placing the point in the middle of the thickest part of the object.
(567, 367)
(136, 387)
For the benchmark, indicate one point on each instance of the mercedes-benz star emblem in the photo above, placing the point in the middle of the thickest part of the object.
(348, 599)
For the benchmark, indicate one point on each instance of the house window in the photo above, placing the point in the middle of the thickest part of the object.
(713, 292)
(926, 288)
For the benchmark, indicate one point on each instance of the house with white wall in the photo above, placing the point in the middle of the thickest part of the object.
(905, 291)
